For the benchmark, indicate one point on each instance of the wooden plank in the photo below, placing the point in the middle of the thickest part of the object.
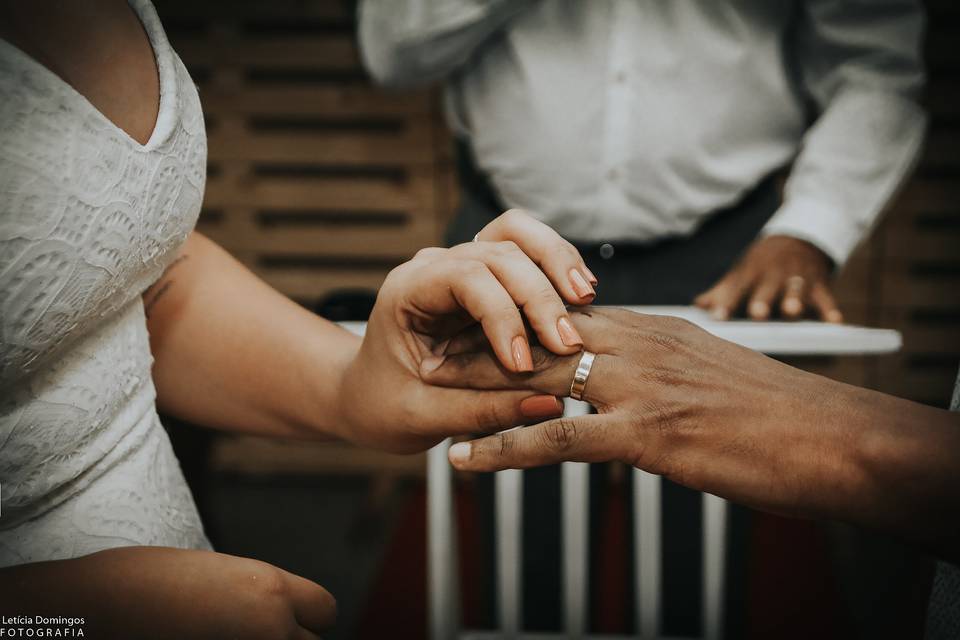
(334, 51)
(925, 195)
(333, 100)
(263, 456)
(307, 284)
(906, 242)
(410, 147)
(323, 9)
(366, 195)
(334, 242)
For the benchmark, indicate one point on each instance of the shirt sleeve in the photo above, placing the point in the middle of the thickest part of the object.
(860, 63)
(408, 43)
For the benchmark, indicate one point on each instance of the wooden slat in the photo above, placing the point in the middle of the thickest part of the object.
(332, 100)
(289, 51)
(337, 242)
(262, 456)
(366, 195)
(411, 147)
(295, 9)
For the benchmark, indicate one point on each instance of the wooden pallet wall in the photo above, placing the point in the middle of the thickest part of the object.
(915, 282)
(317, 180)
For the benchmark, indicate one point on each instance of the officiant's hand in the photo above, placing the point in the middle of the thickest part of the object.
(518, 270)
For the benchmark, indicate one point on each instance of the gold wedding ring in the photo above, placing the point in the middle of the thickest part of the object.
(581, 375)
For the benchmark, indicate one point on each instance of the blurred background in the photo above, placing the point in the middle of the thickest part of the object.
(321, 183)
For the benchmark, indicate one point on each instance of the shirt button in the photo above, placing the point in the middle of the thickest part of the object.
(606, 251)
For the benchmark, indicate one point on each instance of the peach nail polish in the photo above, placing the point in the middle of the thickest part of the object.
(582, 288)
(592, 278)
(568, 333)
(541, 407)
(521, 354)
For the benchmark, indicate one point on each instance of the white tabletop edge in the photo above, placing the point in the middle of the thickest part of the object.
(782, 338)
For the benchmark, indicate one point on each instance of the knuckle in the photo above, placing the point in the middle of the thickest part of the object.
(507, 248)
(266, 581)
(512, 215)
(428, 252)
(493, 417)
(559, 435)
(544, 297)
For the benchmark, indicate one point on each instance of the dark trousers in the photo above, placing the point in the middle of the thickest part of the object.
(671, 271)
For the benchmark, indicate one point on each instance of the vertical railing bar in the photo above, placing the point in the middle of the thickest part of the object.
(714, 564)
(647, 554)
(575, 491)
(443, 575)
(508, 489)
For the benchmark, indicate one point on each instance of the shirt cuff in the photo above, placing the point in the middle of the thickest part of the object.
(820, 224)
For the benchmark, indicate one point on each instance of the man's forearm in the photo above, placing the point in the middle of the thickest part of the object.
(232, 353)
(910, 457)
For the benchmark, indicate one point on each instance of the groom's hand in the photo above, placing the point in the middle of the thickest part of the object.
(674, 400)
(518, 271)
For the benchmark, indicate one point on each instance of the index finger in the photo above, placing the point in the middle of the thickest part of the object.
(559, 259)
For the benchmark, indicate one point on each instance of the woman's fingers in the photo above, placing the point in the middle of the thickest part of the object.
(530, 289)
(555, 256)
(447, 286)
(480, 370)
(591, 438)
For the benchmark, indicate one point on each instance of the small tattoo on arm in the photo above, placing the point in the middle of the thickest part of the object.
(157, 290)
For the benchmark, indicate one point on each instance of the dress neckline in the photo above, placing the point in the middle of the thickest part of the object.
(162, 56)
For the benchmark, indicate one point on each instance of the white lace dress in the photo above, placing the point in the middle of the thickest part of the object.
(89, 218)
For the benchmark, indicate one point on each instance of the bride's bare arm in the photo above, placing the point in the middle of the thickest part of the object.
(232, 353)
(153, 592)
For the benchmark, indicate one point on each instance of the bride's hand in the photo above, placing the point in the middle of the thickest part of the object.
(517, 269)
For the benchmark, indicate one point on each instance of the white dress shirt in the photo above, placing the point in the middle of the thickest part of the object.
(638, 119)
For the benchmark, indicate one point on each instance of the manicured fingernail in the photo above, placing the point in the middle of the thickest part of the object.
(759, 309)
(583, 289)
(834, 316)
(719, 313)
(541, 407)
(568, 333)
(431, 364)
(521, 354)
(592, 278)
(459, 453)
